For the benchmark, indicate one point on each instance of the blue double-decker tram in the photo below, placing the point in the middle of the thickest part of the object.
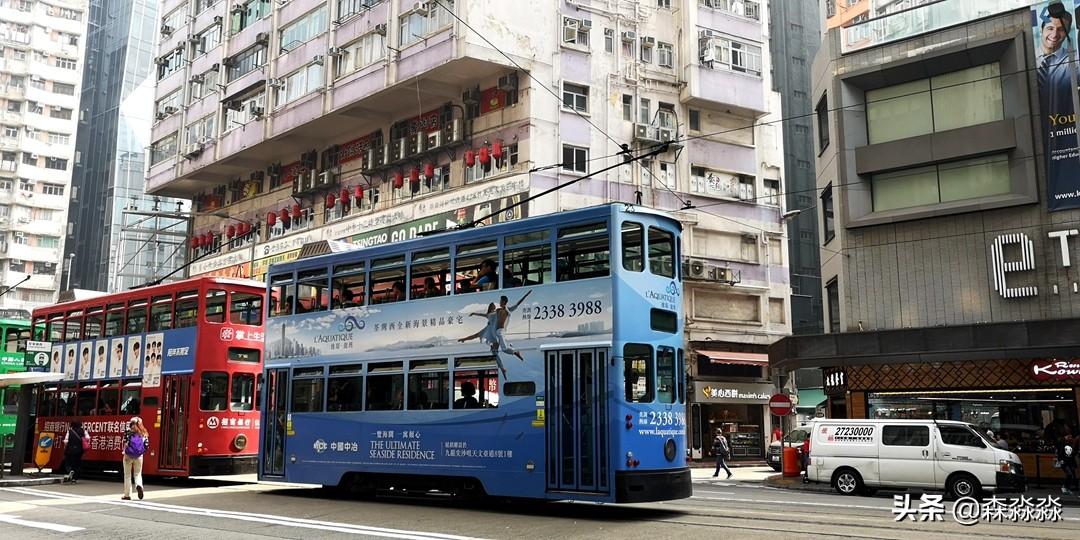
(539, 358)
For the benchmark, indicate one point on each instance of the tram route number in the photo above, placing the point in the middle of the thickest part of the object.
(561, 311)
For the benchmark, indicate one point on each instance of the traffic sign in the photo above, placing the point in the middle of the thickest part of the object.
(38, 346)
(780, 405)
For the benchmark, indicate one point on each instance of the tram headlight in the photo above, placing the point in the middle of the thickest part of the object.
(669, 450)
(240, 442)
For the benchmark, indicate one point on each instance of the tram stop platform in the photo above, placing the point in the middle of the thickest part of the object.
(30, 477)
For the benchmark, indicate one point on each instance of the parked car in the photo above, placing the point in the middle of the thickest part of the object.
(794, 438)
(859, 455)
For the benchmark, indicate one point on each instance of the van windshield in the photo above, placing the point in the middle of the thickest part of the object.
(796, 436)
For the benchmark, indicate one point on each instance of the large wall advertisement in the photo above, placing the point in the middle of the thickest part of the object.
(1054, 31)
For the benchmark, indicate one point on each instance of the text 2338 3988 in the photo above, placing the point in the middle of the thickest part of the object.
(560, 311)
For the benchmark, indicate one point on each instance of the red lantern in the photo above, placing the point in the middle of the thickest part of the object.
(470, 158)
(271, 219)
(497, 150)
(484, 156)
(195, 241)
(414, 175)
(208, 240)
(330, 200)
(296, 213)
(242, 229)
(344, 196)
(399, 180)
(284, 215)
(429, 170)
(358, 193)
(230, 231)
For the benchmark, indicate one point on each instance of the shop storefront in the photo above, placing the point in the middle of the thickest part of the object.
(740, 409)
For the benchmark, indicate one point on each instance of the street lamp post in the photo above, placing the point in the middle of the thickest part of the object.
(70, 267)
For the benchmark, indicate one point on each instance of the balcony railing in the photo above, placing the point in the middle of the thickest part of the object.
(743, 8)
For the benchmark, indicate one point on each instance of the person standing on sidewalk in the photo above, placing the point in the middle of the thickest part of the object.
(136, 441)
(74, 448)
(721, 449)
(1066, 456)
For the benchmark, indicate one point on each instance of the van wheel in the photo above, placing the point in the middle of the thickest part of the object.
(847, 482)
(964, 485)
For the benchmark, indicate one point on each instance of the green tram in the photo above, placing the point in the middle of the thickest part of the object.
(13, 336)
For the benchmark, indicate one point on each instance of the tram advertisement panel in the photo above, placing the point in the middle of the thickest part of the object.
(172, 351)
(535, 315)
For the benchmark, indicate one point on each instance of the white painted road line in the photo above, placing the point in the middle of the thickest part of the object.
(14, 520)
(249, 517)
(817, 504)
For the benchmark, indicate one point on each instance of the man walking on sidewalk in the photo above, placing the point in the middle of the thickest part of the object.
(720, 448)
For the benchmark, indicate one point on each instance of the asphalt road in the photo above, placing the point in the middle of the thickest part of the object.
(221, 509)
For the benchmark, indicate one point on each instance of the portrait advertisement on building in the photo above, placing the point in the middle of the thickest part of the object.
(1054, 31)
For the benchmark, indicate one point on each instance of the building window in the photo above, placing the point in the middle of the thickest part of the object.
(26, 185)
(168, 105)
(63, 89)
(305, 28)
(200, 131)
(743, 8)
(643, 111)
(362, 53)
(246, 62)
(240, 111)
(64, 63)
(953, 100)
(60, 112)
(348, 8)
(248, 13)
(770, 192)
(828, 227)
(609, 40)
(29, 159)
(695, 119)
(668, 176)
(207, 40)
(665, 55)
(170, 63)
(832, 295)
(575, 97)
(575, 159)
(946, 182)
(418, 24)
(52, 189)
(164, 148)
(56, 163)
(300, 83)
(174, 20)
(628, 108)
(665, 115)
(505, 164)
(11, 131)
(720, 52)
(822, 113)
(647, 45)
(576, 31)
(202, 85)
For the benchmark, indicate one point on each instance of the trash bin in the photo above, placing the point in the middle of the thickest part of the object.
(792, 466)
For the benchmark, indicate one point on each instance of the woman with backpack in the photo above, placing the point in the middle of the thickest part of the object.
(76, 443)
(136, 441)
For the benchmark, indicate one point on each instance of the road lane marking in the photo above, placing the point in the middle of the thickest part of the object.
(56, 527)
(250, 517)
(817, 504)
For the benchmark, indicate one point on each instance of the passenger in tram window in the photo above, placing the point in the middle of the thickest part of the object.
(399, 401)
(431, 289)
(349, 298)
(468, 397)
(508, 276)
(486, 277)
(396, 293)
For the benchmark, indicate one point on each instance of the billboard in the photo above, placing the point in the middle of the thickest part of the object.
(1054, 31)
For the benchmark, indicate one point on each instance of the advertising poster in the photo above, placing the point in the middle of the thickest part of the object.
(85, 361)
(134, 356)
(152, 368)
(69, 362)
(1054, 28)
(57, 365)
(101, 358)
(116, 358)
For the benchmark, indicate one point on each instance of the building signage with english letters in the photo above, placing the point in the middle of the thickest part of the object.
(1024, 246)
(732, 392)
(1054, 369)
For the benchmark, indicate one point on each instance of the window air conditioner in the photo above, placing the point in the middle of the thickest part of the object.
(629, 36)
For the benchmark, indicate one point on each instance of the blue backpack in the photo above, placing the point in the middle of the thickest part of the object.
(136, 446)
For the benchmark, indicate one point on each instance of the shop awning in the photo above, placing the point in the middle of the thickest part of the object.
(28, 377)
(736, 358)
(810, 398)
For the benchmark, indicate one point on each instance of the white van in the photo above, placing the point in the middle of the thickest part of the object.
(859, 455)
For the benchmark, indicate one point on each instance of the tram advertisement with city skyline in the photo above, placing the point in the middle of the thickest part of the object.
(547, 313)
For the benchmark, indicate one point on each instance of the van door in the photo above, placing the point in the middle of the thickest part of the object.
(960, 449)
(906, 455)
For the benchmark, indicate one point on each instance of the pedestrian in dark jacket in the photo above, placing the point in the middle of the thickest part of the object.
(73, 451)
(1066, 456)
(721, 449)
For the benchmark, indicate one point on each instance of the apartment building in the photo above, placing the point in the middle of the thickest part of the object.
(41, 56)
(371, 121)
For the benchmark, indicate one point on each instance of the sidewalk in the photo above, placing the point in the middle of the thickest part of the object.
(738, 474)
(795, 483)
(30, 477)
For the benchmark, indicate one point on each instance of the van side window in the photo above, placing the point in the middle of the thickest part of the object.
(905, 436)
(960, 436)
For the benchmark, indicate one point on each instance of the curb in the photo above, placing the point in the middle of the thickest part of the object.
(23, 481)
(796, 484)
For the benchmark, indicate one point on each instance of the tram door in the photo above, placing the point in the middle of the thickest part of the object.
(176, 390)
(274, 422)
(576, 412)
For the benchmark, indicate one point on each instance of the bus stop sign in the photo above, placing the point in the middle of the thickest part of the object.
(780, 405)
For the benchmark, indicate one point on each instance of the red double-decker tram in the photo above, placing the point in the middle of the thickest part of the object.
(185, 356)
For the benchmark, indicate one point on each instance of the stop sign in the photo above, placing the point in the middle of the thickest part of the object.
(780, 405)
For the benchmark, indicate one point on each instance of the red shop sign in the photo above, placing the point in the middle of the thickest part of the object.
(1055, 370)
(354, 149)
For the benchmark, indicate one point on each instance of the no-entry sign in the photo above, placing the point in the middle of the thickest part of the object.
(780, 405)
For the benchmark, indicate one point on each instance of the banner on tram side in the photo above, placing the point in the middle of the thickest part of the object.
(482, 321)
(1054, 31)
(143, 356)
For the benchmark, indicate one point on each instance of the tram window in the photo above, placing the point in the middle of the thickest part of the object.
(348, 285)
(661, 252)
(114, 320)
(429, 385)
(246, 308)
(582, 252)
(161, 313)
(680, 377)
(631, 247)
(522, 388)
(476, 383)
(345, 388)
(39, 328)
(385, 387)
(214, 391)
(73, 326)
(66, 402)
(282, 291)
(186, 309)
(663, 320)
(387, 280)
(526, 238)
(55, 328)
(241, 354)
(243, 392)
(311, 291)
(129, 398)
(215, 306)
(108, 399)
(10, 400)
(95, 318)
(136, 317)
(150, 402)
(476, 267)
(638, 371)
(258, 388)
(430, 273)
(47, 402)
(15, 339)
(527, 266)
(307, 393)
(665, 374)
(86, 402)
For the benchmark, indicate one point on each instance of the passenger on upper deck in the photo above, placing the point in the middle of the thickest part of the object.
(431, 289)
(468, 397)
(396, 293)
(487, 277)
